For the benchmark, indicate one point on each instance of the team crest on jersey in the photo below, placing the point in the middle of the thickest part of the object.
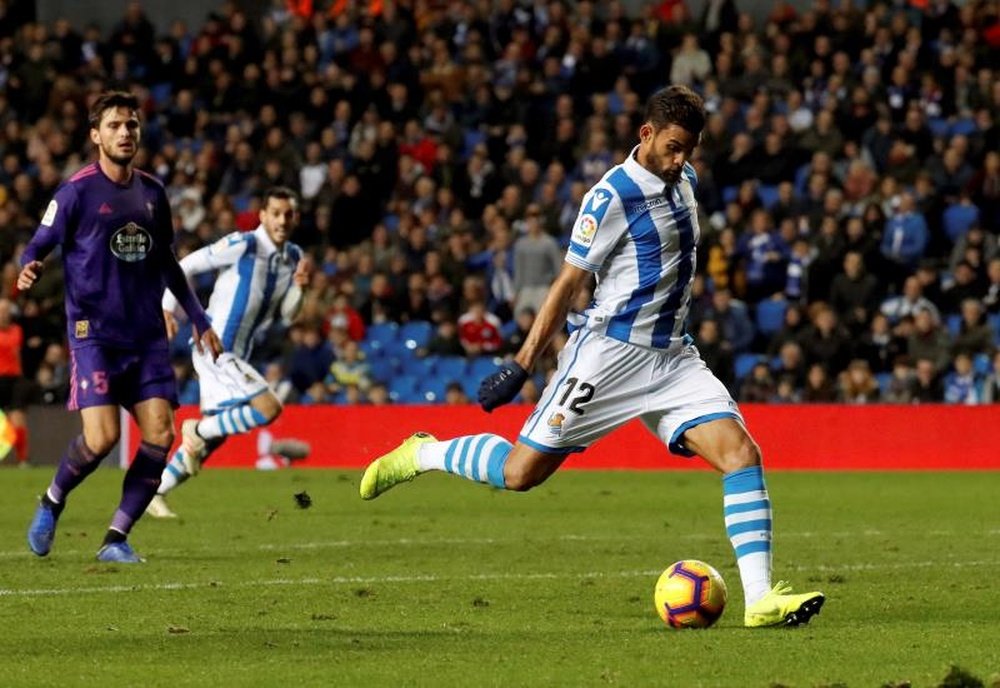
(131, 243)
(555, 424)
(586, 230)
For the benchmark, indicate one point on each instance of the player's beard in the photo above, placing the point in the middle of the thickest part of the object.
(670, 176)
(119, 158)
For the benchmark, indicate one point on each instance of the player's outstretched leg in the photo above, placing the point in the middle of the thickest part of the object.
(77, 463)
(476, 457)
(141, 482)
(748, 524)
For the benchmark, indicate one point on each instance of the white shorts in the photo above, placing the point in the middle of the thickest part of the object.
(226, 381)
(602, 383)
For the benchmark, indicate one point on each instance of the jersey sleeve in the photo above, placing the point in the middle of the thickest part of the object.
(599, 226)
(52, 230)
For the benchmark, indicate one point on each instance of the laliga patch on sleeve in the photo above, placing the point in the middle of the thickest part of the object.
(50, 213)
(585, 230)
(225, 242)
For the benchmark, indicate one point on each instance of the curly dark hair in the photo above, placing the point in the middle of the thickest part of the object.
(676, 105)
(108, 101)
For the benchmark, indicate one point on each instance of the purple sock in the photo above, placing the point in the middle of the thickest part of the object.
(141, 481)
(77, 463)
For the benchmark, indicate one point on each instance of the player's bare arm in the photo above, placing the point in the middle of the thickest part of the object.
(552, 315)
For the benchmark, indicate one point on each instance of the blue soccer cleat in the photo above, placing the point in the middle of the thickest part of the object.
(42, 530)
(119, 553)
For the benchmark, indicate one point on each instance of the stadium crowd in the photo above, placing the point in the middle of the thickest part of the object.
(849, 181)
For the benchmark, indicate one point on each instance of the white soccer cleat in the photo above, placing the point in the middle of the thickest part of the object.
(158, 508)
(193, 446)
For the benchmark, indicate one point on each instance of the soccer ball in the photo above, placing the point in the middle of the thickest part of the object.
(690, 594)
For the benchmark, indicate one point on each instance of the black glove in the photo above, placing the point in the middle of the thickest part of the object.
(502, 386)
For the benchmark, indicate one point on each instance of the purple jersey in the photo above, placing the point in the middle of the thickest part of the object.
(117, 255)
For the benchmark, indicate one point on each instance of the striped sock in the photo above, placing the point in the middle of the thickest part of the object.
(748, 524)
(476, 457)
(174, 473)
(232, 421)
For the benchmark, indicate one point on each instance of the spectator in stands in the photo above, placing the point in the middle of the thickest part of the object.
(716, 352)
(445, 341)
(793, 329)
(786, 392)
(906, 237)
(758, 387)
(975, 336)
(929, 340)
(734, 320)
(961, 386)
(927, 386)
(991, 300)
(854, 293)
(791, 364)
(342, 316)
(900, 387)
(455, 395)
(309, 360)
(819, 389)
(966, 285)
(991, 383)
(479, 331)
(908, 303)
(826, 340)
(857, 385)
(15, 389)
(378, 395)
(537, 260)
(880, 346)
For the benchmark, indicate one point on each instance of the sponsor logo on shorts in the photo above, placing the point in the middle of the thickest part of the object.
(131, 243)
(555, 424)
(82, 329)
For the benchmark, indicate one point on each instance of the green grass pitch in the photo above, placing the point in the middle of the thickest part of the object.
(445, 583)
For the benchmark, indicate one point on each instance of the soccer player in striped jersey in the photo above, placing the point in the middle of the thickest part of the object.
(113, 225)
(261, 280)
(629, 356)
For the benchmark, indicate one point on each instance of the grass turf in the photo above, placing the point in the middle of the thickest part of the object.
(447, 583)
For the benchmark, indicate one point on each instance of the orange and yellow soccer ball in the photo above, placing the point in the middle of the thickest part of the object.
(690, 594)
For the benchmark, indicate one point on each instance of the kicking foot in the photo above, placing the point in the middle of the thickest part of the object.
(780, 607)
(42, 530)
(193, 445)
(119, 553)
(398, 466)
(158, 508)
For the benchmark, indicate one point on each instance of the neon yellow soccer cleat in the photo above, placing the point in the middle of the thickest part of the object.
(780, 607)
(398, 466)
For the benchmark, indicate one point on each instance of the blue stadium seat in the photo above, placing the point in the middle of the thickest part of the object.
(802, 179)
(768, 195)
(452, 368)
(399, 349)
(417, 367)
(473, 137)
(729, 193)
(770, 316)
(433, 390)
(883, 381)
(384, 368)
(995, 324)
(402, 388)
(371, 350)
(471, 387)
(964, 127)
(416, 334)
(382, 335)
(982, 364)
(161, 94)
(508, 328)
(482, 366)
(954, 324)
(745, 363)
(939, 126)
(958, 218)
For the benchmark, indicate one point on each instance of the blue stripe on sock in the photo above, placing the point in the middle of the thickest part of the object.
(748, 526)
(449, 456)
(495, 464)
(236, 419)
(748, 506)
(483, 439)
(222, 424)
(258, 417)
(174, 471)
(463, 455)
(743, 480)
(752, 547)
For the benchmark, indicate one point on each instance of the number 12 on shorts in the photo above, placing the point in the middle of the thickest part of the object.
(586, 394)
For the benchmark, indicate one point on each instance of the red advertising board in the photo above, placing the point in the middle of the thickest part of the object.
(801, 437)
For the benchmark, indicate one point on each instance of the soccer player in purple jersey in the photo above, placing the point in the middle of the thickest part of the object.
(112, 223)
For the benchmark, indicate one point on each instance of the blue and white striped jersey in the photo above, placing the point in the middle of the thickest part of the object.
(248, 293)
(639, 237)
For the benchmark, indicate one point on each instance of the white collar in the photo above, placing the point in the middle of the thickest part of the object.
(641, 174)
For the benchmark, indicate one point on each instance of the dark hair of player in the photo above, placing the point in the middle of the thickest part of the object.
(676, 105)
(110, 100)
(280, 192)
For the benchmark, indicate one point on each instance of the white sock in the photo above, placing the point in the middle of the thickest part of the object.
(173, 473)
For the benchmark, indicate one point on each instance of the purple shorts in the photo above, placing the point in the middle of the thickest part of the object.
(109, 376)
